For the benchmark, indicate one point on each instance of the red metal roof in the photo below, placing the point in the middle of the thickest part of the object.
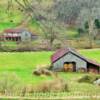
(13, 31)
(61, 52)
(17, 31)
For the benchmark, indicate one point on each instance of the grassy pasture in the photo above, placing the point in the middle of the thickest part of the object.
(24, 63)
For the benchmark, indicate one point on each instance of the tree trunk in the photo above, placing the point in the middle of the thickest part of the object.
(51, 43)
(91, 32)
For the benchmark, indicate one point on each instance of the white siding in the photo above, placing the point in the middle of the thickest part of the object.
(58, 65)
(25, 36)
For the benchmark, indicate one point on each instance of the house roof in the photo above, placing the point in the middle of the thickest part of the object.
(18, 30)
(13, 30)
(61, 52)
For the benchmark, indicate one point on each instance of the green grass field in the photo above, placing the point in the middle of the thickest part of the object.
(24, 63)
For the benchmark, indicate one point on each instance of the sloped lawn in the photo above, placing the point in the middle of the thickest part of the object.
(23, 64)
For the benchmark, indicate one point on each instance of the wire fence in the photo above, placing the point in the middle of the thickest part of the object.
(52, 97)
(92, 95)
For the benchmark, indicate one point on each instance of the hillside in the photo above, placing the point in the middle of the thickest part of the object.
(14, 18)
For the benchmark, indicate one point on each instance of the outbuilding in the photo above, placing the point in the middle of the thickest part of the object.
(68, 59)
(17, 35)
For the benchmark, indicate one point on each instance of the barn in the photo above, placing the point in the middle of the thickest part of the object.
(68, 59)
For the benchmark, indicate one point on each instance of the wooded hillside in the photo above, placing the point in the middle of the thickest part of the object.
(54, 19)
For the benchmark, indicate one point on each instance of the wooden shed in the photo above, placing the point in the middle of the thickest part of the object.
(68, 59)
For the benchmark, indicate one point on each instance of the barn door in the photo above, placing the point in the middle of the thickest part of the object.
(69, 66)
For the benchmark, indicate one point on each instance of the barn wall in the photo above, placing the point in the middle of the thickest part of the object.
(58, 65)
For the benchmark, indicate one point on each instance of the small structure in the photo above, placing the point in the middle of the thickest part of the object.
(17, 35)
(68, 59)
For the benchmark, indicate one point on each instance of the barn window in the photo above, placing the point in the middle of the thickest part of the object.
(69, 66)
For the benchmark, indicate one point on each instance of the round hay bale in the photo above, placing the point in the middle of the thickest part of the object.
(43, 71)
(37, 72)
(47, 72)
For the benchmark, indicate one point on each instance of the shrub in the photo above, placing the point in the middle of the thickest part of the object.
(80, 31)
(9, 83)
(56, 85)
(88, 78)
(27, 89)
(25, 46)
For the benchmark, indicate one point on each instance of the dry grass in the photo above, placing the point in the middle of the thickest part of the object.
(57, 84)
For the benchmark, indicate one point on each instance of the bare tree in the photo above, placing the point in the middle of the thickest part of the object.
(50, 18)
(91, 10)
(45, 17)
(9, 7)
(81, 10)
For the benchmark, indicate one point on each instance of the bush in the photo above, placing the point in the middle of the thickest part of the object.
(25, 46)
(80, 31)
(56, 85)
(88, 78)
(27, 89)
(9, 84)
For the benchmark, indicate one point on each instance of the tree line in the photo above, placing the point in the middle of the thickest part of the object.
(52, 18)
